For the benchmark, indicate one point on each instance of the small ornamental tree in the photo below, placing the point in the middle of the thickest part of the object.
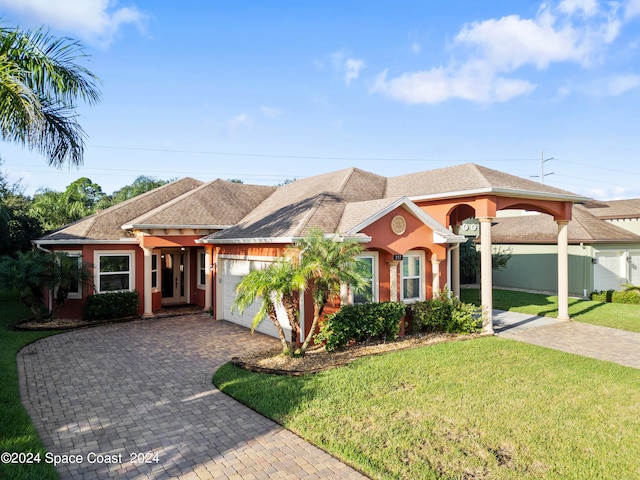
(326, 263)
(279, 282)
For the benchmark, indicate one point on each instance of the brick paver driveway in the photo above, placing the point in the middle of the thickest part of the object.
(143, 389)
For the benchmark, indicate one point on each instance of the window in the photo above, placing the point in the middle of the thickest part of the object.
(75, 287)
(368, 263)
(114, 272)
(202, 269)
(154, 271)
(411, 288)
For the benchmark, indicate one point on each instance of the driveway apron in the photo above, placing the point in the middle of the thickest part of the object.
(135, 400)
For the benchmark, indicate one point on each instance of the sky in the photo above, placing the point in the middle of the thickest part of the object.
(269, 91)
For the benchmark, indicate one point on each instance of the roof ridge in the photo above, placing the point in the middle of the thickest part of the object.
(318, 200)
(344, 183)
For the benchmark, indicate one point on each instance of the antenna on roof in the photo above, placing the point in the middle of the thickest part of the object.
(542, 162)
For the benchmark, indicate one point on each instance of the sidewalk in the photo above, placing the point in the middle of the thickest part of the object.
(602, 343)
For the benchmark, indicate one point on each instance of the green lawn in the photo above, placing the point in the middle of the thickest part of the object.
(488, 408)
(17, 434)
(616, 315)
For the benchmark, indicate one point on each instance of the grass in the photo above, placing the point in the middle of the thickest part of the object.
(17, 433)
(485, 408)
(615, 315)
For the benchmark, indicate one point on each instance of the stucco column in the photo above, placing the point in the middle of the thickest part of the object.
(486, 274)
(148, 298)
(455, 270)
(208, 277)
(563, 269)
(435, 274)
(393, 281)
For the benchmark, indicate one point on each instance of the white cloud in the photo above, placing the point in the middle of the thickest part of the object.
(238, 122)
(96, 21)
(622, 83)
(352, 69)
(346, 66)
(416, 48)
(486, 54)
(270, 112)
(632, 8)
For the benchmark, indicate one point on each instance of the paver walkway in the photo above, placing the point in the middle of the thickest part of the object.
(145, 388)
(602, 343)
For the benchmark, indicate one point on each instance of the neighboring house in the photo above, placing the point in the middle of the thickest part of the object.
(191, 242)
(604, 248)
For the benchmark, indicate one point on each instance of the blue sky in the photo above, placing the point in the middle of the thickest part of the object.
(265, 91)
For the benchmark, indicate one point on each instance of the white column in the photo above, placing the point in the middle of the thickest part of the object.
(393, 281)
(455, 270)
(208, 278)
(435, 274)
(563, 270)
(486, 274)
(148, 298)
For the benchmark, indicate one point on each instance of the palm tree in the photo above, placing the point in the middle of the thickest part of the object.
(327, 263)
(279, 282)
(40, 84)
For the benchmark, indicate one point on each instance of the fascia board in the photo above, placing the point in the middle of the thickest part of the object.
(502, 192)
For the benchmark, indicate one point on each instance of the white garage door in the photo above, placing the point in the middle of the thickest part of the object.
(610, 271)
(634, 267)
(232, 272)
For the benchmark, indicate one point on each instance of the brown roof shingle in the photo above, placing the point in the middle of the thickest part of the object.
(536, 229)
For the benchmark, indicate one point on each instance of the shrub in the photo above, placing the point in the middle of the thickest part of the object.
(629, 296)
(443, 314)
(362, 323)
(105, 306)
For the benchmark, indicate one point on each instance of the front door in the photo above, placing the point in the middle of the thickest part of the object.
(174, 276)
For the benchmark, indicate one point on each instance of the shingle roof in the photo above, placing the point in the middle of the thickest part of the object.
(218, 203)
(317, 201)
(584, 227)
(615, 209)
(469, 177)
(106, 225)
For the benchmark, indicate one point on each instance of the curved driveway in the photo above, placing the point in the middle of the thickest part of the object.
(143, 389)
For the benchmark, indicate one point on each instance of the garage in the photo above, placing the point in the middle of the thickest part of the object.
(230, 273)
(613, 269)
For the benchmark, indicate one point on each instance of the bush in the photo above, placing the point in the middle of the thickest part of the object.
(362, 323)
(614, 296)
(443, 314)
(106, 306)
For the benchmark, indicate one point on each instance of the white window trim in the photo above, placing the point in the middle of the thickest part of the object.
(201, 259)
(375, 283)
(157, 270)
(421, 297)
(75, 254)
(114, 253)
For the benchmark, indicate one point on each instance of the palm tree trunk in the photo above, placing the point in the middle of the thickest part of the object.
(274, 318)
(317, 313)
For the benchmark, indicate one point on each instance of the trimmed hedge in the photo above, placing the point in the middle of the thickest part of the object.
(613, 296)
(111, 305)
(361, 323)
(443, 314)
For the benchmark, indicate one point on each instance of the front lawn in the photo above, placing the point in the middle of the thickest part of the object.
(17, 433)
(488, 408)
(615, 315)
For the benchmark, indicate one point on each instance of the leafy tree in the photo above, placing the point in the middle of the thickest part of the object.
(40, 85)
(17, 226)
(30, 273)
(279, 282)
(87, 192)
(470, 259)
(56, 209)
(326, 263)
(140, 185)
